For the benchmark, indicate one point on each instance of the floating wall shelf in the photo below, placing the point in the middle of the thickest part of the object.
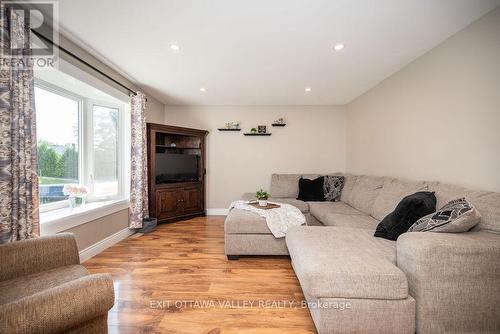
(257, 134)
(225, 129)
(278, 124)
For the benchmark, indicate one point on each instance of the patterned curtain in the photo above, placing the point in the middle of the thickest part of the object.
(139, 178)
(18, 156)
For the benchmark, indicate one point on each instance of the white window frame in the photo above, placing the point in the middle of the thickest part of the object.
(86, 145)
(89, 138)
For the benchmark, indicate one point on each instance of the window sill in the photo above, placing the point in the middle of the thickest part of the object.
(63, 219)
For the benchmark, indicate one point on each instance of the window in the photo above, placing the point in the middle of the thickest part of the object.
(80, 139)
(58, 132)
(105, 135)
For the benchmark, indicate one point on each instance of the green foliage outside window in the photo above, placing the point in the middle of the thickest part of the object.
(55, 167)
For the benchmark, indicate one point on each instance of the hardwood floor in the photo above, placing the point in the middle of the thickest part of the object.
(178, 280)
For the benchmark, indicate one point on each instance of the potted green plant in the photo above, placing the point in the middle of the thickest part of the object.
(262, 197)
(253, 130)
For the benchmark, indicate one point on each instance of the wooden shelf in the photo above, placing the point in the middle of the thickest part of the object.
(175, 200)
(257, 134)
(224, 129)
(178, 147)
(278, 124)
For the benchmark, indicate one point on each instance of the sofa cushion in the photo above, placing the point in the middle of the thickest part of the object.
(392, 193)
(486, 203)
(23, 286)
(447, 192)
(364, 192)
(407, 212)
(245, 222)
(345, 263)
(349, 182)
(287, 185)
(320, 209)
(301, 205)
(356, 221)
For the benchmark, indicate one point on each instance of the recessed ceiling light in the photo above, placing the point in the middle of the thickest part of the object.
(308, 89)
(203, 89)
(175, 47)
(338, 47)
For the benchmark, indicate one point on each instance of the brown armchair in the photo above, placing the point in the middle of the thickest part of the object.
(44, 289)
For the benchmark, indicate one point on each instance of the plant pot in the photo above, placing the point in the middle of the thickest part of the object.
(262, 202)
(76, 201)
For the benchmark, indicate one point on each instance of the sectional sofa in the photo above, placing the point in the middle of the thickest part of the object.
(424, 282)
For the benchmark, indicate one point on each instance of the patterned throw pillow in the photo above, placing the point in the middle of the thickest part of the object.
(333, 187)
(457, 216)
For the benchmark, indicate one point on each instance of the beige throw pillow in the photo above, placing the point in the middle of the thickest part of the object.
(456, 216)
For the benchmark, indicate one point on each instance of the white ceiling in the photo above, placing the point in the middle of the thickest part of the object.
(263, 52)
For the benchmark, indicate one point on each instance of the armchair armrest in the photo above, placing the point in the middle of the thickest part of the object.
(454, 278)
(60, 308)
(35, 255)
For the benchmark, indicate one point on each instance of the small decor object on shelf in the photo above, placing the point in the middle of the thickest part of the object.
(262, 197)
(77, 194)
(262, 128)
(279, 122)
(233, 125)
(253, 130)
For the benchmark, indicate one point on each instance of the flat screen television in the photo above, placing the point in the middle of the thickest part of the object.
(172, 167)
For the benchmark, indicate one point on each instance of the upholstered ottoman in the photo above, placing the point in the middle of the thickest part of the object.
(246, 233)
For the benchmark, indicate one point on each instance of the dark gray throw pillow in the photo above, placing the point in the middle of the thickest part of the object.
(407, 212)
(311, 190)
(333, 187)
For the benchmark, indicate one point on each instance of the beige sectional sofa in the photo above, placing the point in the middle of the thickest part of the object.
(424, 282)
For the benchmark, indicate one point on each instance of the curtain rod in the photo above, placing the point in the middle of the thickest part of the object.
(83, 61)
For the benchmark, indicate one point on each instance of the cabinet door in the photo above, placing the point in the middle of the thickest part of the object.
(168, 203)
(192, 199)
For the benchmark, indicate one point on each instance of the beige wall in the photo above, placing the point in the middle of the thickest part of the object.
(312, 141)
(438, 118)
(96, 230)
(155, 111)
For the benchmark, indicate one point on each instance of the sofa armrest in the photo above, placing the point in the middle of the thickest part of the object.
(423, 251)
(60, 308)
(248, 197)
(455, 279)
(35, 255)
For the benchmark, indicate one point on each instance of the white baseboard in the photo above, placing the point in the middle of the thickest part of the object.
(217, 212)
(98, 247)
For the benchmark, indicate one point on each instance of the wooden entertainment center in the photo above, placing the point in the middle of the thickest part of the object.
(176, 172)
